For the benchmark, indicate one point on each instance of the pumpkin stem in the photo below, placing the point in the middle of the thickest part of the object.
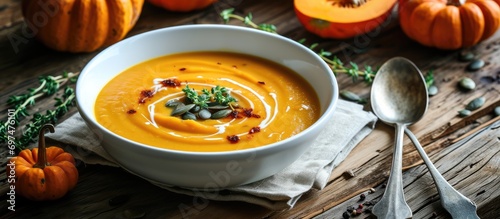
(42, 155)
(457, 3)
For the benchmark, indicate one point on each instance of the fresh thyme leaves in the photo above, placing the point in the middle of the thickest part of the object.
(200, 100)
(217, 94)
(221, 95)
(229, 13)
(49, 85)
(429, 78)
(213, 104)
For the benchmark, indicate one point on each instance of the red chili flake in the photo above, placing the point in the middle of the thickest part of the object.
(234, 66)
(254, 130)
(248, 113)
(234, 114)
(182, 69)
(218, 63)
(233, 139)
(131, 111)
(145, 94)
(262, 82)
(171, 83)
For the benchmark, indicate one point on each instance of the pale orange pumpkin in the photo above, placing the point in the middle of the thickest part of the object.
(342, 19)
(44, 173)
(78, 25)
(182, 5)
(451, 24)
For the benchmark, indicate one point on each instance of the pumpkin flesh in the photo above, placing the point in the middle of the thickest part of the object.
(330, 19)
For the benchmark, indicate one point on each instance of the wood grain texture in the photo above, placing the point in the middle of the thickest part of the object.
(469, 166)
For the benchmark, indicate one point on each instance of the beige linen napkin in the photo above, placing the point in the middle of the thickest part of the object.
(349, 125)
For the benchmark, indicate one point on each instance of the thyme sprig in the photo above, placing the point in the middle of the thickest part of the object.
(337, 66)
(217, 94)
(49, 85)
(247, 20)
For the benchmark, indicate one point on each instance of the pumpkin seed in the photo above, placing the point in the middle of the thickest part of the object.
(188, 116)
(217, 107)
(467, 84)
(181, 109)
(496, 111)
(204, 114)
(432, 90)
(464, 113)
(172, 103)
(476, 103)
(134, 213)
(466, 56)
(475, 65)
(221, 114)
(196, 109)
(348, 95)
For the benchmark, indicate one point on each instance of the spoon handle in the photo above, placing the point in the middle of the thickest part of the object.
(393, 204)
(453, 201)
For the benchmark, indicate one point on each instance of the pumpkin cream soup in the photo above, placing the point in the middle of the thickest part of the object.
(207, 101)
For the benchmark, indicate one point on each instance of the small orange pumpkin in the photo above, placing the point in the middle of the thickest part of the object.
(44, 173)
(80, 26)
(451, 24)
(182, 5)
(341, 19)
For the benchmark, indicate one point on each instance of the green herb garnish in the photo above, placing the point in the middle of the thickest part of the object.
(49, 85)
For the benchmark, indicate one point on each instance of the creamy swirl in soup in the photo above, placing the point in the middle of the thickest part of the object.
(271, 103)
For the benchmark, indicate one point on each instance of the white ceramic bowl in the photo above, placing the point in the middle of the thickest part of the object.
(206, 170)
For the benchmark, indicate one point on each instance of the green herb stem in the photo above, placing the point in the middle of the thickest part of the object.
(49, 85)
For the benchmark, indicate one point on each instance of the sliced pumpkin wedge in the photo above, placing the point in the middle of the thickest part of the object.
(342, 18)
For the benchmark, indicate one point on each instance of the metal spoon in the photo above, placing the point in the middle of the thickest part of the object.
(459, 206)
(399, 98)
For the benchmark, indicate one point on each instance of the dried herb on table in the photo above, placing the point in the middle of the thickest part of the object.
(49, 85)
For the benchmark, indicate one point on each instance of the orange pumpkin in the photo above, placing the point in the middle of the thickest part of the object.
(449, 24)
(44, 173)
(342, 19)
(182, 5)
(80, 26)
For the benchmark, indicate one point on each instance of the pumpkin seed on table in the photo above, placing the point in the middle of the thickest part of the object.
(464, 113)
(432, 90)
(348, 95)
(466, 56)
(467, 83)
(476, 103)
(475, 65)
(496, 111)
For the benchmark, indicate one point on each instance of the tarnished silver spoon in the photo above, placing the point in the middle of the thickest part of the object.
(398, 98)
(459, 206)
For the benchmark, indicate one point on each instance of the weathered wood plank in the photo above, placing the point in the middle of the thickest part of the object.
(369, 161)
(472, 166)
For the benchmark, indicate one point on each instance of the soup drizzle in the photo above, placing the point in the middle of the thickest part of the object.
(159, 84)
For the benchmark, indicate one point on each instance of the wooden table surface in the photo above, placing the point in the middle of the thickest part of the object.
(466, 150)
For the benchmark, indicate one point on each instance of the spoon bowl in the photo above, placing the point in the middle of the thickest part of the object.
(399, 94)
(399, 98)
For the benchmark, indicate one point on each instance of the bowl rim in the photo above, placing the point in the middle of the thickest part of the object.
(327, 114)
